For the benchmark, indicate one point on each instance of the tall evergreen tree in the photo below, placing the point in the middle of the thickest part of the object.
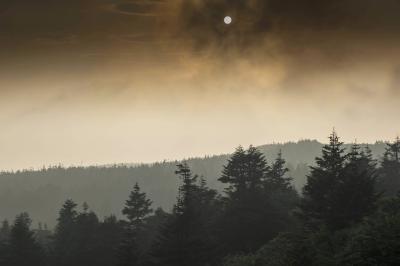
(109, 236)
(356, 196)
(281, 194)
(277, 176)
(136, 209)
(390, 169)
(64, 243)
(249, 218)
(317, 206)
(4, 231)
(23, 249)
(341, 189)
(84, 238)
(185, 238)
(245, 172)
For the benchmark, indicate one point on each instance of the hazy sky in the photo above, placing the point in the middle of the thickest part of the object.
(111, 81)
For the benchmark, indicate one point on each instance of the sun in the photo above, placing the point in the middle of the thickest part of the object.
(227, 20)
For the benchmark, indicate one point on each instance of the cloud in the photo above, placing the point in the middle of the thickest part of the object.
(309, 40)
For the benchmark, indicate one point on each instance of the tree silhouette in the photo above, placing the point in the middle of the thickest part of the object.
(64, 237)
(390, 169)
(341, 189)
(250, 217)
(23, 249)
(185, 237)
(277, 175)
(136, 209)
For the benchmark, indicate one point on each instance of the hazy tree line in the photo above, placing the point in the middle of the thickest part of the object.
(348, 213)
(105, 188)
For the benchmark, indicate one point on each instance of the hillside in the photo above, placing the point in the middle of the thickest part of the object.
(106, 188)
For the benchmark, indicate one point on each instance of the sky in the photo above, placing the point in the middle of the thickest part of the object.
(87, 82)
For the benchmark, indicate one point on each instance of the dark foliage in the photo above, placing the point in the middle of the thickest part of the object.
(341, 189)
(349, 215)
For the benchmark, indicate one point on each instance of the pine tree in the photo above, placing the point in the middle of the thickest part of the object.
(234, 172)
(280, 193)
(249, 218)
(341, 189)
(277, 176)
(4, 231)
(185, 237)
(136, 209)
(4, 238)
(64, 243)
(85, 234)
(23, 249)
(317, 206)
(244, 173)
(390, 169)
(110, 234)
(355, 196)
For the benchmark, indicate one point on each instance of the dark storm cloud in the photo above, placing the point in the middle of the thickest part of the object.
(26, 18)
(306, 36)
(294, 22)
(258, 18)
(138, 7)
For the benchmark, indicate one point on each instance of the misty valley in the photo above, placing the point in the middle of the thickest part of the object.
(302, 203)
(199, 133)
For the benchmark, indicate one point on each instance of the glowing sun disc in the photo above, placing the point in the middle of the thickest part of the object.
(227, 20)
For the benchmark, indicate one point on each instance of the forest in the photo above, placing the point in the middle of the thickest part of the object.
(347, 213)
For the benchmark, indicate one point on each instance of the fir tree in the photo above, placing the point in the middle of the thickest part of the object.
(136, 209)
(84, 235)
(244, 173)
(355, 195)
(390, 169)
(341, 189)
(317, 206)
(4, 231)
(185, 237)
(110, 234)
(277, 176)
(249, 218)
(64, 237)
(4, 238)
(23, 249)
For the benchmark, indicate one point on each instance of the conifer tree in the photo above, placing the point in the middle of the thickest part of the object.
(277, 175)
(64, 237)
(109, 237)
(84, 235)
(341, 189)
(23, 249)
(234, 173)
(4, 238)
(4, 231)
(322, 183)
(355, 196)
(248, 220)
(244, 173)
(136, 209)
(390, 169)
(185, 237)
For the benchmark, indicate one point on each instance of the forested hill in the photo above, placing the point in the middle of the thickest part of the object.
(42, 192)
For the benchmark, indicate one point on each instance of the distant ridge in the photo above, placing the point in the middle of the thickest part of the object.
(106, 187)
